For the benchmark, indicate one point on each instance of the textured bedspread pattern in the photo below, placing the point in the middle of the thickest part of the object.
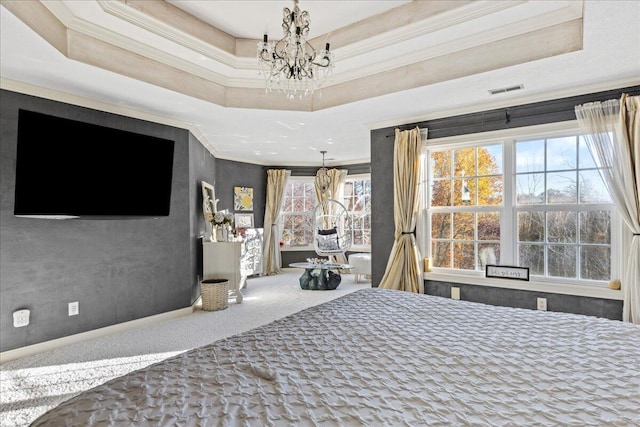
(386, 358)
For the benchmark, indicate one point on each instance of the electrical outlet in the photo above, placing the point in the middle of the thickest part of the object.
(74, 308)
(542, 304)
(455, 292)
(20, 318)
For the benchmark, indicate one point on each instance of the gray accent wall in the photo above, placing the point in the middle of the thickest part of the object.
(382, 141)
(118, 269)
(230, 174)
(599, 307)
(202, 167)
(382, 226)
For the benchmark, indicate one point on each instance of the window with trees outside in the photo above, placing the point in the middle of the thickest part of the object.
(466, 206)
(295, 215)
(537, 203)
(357, 200)
(299, 200)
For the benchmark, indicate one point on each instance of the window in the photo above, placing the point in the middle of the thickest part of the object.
(300, 199)
(296, 220)
(357, 200)
(466, 201)
(563, 210)
(535, 202)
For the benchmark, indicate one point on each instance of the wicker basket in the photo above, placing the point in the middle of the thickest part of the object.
(215, 293)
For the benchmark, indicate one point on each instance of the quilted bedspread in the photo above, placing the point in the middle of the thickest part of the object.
(386, 358)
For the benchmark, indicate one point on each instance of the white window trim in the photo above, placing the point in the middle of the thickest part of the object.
(545, 285)
(359, 177)
(307, 248)
(301, 248)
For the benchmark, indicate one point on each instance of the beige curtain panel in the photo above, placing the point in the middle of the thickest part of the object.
(404, 269)
(276, 184)
(320, 196)
(336, 189)
(338, 177)
(612, 133)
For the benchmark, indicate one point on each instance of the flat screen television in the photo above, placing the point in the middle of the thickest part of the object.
(70, 169)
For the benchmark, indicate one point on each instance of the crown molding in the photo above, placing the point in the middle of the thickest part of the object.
(80, 101)
(544, 43)
(471, 52)
(426, 25)
(140, 18)
(424, 21)
(462, 42)
(84, 27)
(505, 102)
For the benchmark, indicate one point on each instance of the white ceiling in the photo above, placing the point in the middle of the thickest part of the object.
(610, 58)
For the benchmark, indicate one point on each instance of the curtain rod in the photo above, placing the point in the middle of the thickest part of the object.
(560, 109)
(507, 119)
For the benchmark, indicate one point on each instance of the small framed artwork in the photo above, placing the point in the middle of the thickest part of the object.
(243, 198)
(209, 201)
(507, 272)
(243, 220)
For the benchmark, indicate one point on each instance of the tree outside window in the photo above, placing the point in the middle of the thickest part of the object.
(556, 219)
(466, 189)
(357, 200)
(563, 210)
(299, 200)
(296, 219)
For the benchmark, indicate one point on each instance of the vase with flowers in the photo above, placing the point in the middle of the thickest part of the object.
(221, 226)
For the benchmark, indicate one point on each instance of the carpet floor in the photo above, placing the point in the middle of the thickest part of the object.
(31, 385)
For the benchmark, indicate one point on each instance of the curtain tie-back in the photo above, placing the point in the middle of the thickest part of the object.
(409, 232)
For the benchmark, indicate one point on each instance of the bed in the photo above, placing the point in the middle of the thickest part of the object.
(381, 357)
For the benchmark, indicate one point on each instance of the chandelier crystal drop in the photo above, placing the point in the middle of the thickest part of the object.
(291, 65)
(322, 176)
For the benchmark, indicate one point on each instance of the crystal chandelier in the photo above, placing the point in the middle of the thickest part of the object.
(292, 65)
(323, 179)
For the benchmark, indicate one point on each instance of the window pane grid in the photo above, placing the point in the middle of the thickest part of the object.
(567, 175)
(465, 240)
(563, 210)
(466, 189)
(558, 211)
(295, 215)
(357, 200)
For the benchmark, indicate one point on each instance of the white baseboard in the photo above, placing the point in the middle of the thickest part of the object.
(96, 333)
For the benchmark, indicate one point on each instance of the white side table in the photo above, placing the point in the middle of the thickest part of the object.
(221, 260)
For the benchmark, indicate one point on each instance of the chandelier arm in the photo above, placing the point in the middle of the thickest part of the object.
(287, 20)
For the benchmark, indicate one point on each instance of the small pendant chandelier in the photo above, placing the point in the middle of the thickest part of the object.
(292, 65)
(323, 179)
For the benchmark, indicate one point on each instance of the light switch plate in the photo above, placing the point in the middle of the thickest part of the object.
(74, 308)
(21, 318)
(542, 304)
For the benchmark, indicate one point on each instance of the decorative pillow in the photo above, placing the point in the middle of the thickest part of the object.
(327, 232)
(328, 240)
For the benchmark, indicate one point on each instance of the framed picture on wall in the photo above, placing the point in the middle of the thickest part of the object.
(243, 220)
(243, 198)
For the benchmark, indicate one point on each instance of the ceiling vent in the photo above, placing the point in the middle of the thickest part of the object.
(505, 89)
